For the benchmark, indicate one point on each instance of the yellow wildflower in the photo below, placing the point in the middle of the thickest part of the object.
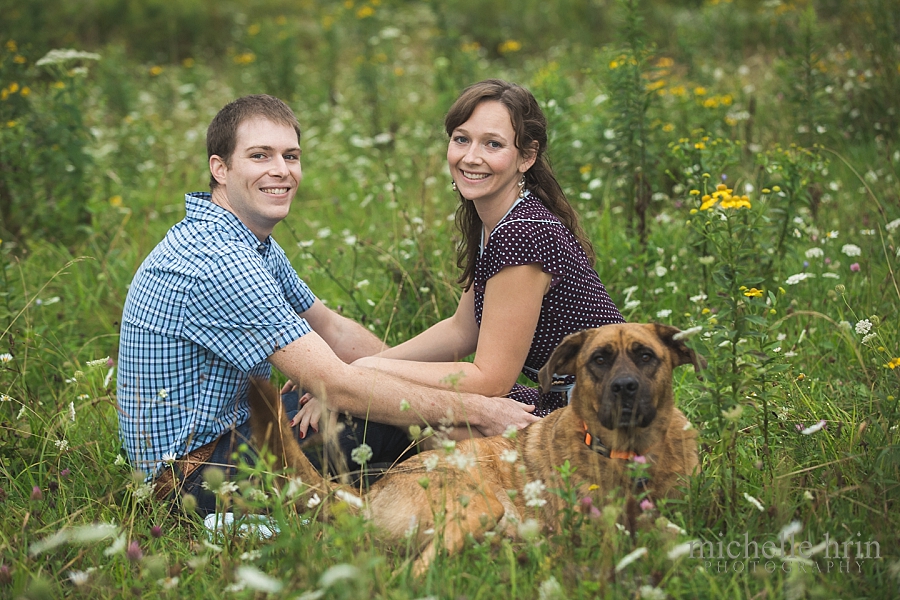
(893, 364)
(668, 127)
(19, 59)
(10, 124)
(699, 91)
(753, 293)
(699, 145)
(187, 63)
(776, 188)
(510, 46)
(584, 169)
(665, 62)
(11, 46)
(678, 90)
(13, 87)
(155, 71)
(695, 192)
(281, 20)
(25, 91)
(471, 47)
(115, 201)
(365, 12)
(254, 29)
(59, 85)
(244, 59)
(711, 102)
(708, 202)
(655, 85)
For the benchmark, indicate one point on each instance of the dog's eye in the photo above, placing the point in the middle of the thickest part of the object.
(599, 360)
(646, 357)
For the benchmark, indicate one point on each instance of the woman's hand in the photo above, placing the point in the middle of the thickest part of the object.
(309, 414)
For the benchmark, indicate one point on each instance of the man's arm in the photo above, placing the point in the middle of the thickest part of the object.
(310, 362)
(348, 339)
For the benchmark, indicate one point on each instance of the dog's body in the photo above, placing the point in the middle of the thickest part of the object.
(621, 406)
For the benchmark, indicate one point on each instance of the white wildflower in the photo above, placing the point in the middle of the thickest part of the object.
(59, 56)
(5, 398)
(814, 428)
(142, 492)
(756, 503)
(795, 279)
(117, 547)
(404, 405)
(83, 397)
(431, 461)
(630, 558)
(323, 233)
(698, 298)
(662, 314)
(815, 253)
(461, 461)
(632, 304)
(255, 579)
(163, 393)
(863, 327)
(362, 283)
(681, 550)
(305, 243)
(6, 357)
(314, 501)
(706, 260)
(168, 583)
(649, 592)
(532, 492)
(830, 275)
(361, 454)
(845, 325)
(851, 250)
(868, 338)
(72, 411)
(100, 362)
(226, 488)
(683, 335)
(88, 534)
(866, 232)
(510, 432)
(21, 412)
(169, 458)
(337, 573)
(831, 235)
(63, 445)
(791, 529)
(79, 578)
(893, 225)
(509, 455)
(551, 590)
(120, 460)
(661, 271)
(349, 498)
(528, 529)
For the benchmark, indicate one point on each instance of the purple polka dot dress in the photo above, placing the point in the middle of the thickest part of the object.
(577, 299)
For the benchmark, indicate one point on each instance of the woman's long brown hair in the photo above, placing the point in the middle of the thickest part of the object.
(530, 126)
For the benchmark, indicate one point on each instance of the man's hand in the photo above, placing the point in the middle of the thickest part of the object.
(505, 412)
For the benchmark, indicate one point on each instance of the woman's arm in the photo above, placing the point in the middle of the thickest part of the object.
(512, 306)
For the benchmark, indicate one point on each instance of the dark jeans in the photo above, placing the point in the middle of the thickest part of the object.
(389, 444)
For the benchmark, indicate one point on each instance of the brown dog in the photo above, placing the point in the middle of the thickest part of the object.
(622, 406)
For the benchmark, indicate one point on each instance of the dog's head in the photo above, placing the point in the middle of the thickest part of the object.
(623, 373)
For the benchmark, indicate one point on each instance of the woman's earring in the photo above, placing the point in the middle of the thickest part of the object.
(522, 187)
(453, 185)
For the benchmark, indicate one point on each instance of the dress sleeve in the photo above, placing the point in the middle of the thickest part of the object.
(521, 242)
(239, 311)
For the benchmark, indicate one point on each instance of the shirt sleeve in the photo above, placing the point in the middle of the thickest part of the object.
(240, 312)
(297, 293)
(526, 242)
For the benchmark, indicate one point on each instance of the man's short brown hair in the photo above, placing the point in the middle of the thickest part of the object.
(221, 136)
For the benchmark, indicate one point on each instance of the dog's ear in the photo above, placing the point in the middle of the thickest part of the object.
(562, 361)
(683, 355)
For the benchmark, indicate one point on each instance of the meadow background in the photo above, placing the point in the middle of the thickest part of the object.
(786, 274)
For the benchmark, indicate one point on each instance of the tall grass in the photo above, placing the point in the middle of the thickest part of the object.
(794, 296)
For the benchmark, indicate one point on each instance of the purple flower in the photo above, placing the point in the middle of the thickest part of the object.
(134, 552)
(110, 362)
(805, 264)
(640, 459)
(64, 473)
(854, 267)
(36, 493)
(588, 508)
(5, 575)
(647, 504)
(156, 531)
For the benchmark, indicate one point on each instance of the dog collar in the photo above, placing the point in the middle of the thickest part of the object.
(597, 446)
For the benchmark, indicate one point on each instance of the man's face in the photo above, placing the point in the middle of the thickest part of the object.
(263, 177)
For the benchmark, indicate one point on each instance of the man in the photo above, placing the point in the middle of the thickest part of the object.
(217, 302)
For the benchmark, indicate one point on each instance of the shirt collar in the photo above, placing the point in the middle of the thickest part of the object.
(200, 207)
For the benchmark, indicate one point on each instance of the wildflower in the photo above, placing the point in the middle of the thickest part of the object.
(851, 250)
(5, 358)
(893, 225)
(789, 530)
(163, 393)
(681, 549)
(168, 583)
(863, 327)
(365, 12)
(814, 428)
(815, 253)
(756, 503)
(142, 492)
(63, 445)
(120, 460)
(588, 508)
(169, 458)
(509, 46)
(630, 558)
(528, 529)
(795, 279)
(134, 552)
(314, 501)
(753, 293)
(854, 267)
(36, 493)
(361, 454)
(532, 493)
(362, 284)
(156, 531)
(461, 461)
(253, 578)
(509, 455)
(431, 462)
(640, 459)
(632, 304)
(662, 314)
(60, 56)
(404, 405)
(510, 432)
(648, 592)
(99, 362)
(78, 578)
(893, 364)
(868, 338)
(698, 298)
(647, 504)
(5, 398)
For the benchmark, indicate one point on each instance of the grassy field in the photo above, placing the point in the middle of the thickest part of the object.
(735, 167)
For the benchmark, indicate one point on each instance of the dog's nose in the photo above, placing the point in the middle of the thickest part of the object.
(625, 388)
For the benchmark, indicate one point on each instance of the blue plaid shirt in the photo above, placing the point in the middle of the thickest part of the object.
(204, 311)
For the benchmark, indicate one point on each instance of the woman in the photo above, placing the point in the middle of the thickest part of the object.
(526, 262)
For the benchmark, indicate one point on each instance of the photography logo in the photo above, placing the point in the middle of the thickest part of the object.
(785, 553)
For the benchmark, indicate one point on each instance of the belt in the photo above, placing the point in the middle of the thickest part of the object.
(185, 465)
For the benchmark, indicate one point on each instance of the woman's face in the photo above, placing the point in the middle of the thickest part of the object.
(483, 158)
